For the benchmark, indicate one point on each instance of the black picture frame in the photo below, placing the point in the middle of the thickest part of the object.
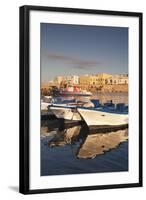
(24, 98)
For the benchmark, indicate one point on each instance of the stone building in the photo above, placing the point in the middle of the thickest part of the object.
(102, 77)
(72, 79)
(93, 81)
(84, 79)
(117, 79)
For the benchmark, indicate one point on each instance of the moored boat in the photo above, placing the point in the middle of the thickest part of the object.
(67, 93)
(69, 111)
(47, 99)
(45, 106)
(65, 112)
(74, 91)
(97, 117)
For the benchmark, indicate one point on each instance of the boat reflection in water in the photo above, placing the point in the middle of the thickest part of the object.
(90, 142)
(71, 148)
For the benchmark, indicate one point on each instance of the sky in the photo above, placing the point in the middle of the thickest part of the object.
(81, 49)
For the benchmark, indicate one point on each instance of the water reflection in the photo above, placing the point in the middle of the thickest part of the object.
(97, 144)
(87, 143)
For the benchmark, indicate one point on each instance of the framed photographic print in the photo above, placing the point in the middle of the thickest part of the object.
(80, 99)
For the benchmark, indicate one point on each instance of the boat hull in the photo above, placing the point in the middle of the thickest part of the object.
(103, 119)
(66, 113)
(45, 106)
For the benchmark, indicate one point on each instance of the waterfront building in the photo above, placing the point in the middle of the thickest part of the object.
(97, 80)
(101, 78)
(118, 79)
(93, 80)
(84, 81)
(66, 80)
(72, 79)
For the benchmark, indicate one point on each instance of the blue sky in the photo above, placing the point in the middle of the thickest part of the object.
(78, 49)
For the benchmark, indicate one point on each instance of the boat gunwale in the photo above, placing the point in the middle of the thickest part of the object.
(92, 109)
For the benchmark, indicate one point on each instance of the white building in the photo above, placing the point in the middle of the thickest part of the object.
(118, 79)
(72, 79)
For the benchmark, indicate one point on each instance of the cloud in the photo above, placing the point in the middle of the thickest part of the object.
(74, 61)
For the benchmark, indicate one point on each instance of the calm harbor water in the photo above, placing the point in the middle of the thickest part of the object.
(73, 149)
(61, 160)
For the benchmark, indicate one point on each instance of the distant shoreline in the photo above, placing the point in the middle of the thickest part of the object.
(109, 92)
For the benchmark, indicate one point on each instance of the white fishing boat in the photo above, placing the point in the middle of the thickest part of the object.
(95, 117)
(47, 99)
(74, 91)
(65, 112)
(69, 111)
(80, 93)
(44, 106)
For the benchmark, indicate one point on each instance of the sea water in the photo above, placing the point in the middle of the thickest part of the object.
(62, 157)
